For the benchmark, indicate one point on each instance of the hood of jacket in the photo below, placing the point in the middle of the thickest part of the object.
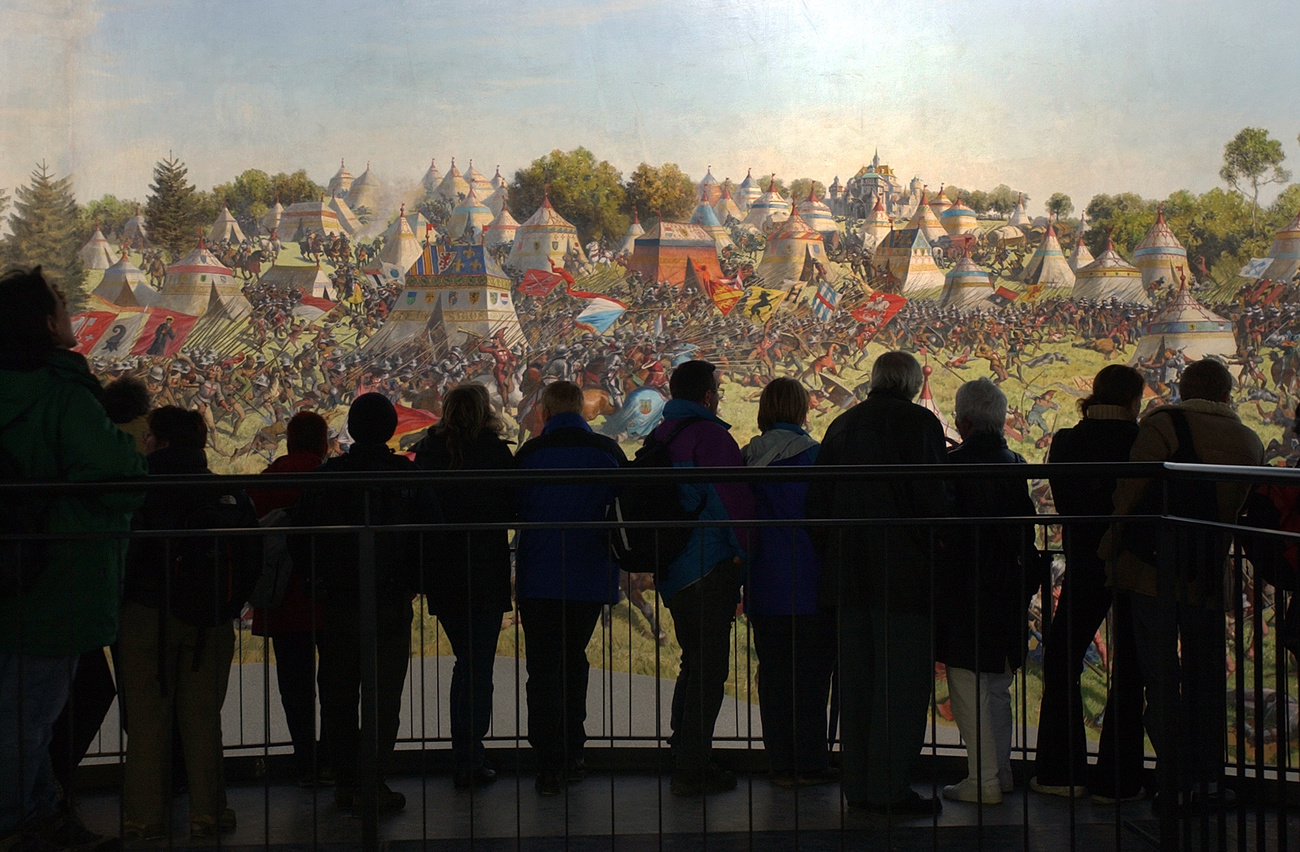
(782, 441)
(19, 389)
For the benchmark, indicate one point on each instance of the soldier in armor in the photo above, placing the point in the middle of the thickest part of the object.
(612, 378)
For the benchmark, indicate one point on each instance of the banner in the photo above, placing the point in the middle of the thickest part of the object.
(538, 283)
(312, 307)
(163, 333)
(723, 293)
(88, 327)
(122, 334)
(1256, 267)
(825, 301)
(879, 309)
(601, 313)
(759, 303)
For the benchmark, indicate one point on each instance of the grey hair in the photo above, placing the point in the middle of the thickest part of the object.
(898, 372)
(982, 405)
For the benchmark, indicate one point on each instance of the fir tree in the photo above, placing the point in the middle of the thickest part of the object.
(172, 208)
(44, 230)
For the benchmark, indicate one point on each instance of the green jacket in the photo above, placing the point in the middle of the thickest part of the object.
(55, 428)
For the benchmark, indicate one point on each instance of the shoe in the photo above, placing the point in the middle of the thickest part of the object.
(784, 780)
(816, 778)
(968, 790)
(549, 783)
(320, 779)
(1006, 781)
(388, 801)
(472, 778)
(1063, 790)
(351, 800)
(134, 833)
(911, 806)
(575, 771)
(1104, 799)
(712, 779)
(203, 826)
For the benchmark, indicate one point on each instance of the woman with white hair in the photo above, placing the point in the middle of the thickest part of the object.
(983, 592)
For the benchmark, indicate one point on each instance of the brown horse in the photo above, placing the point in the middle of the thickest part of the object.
(595, 402)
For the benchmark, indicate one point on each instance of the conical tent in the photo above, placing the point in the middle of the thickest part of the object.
(402, 249)
(1161, 256)
(768, 210)
(502, 230)
(877, 225)
(271, 221)
(817, 215)
(198, 284)
(134, 232)
(628, 245)
(959, 219)
(225, 229)
(1110, 277)
(498, 200)
(452, 296)
(308, 217)
(1285, 254)
(1079, 255)
(663, 252)
(366, 193)
(347, 218)
(125, 285)
(1187, 326)
(415, 221)
(543, 238)
(97, 254)
(726, 208)
(431, 178)
(709, 189)
(453, 185)
(480, 184)
(498, 182)
(341, 182)
(928, 223)
(967, 288)
(1048, 267)
(748, 192)
(940, 203)
(470, 214)
(708, 220)
(906, 257)
(1020, 218)
(791, 254)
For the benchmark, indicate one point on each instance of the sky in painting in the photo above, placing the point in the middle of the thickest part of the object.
(1077, 96)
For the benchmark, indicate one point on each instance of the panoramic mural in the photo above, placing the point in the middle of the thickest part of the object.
(399, 198)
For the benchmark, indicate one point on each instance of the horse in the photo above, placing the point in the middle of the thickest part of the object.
(154, 268)
(632, 588)
(595, 402)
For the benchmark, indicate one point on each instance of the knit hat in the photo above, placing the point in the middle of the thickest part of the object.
(372, 419)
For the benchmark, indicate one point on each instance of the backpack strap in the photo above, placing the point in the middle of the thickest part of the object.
(1186, 452)
(677, 430)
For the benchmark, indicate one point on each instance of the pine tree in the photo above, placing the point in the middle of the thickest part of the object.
(172, 209)
(44, 230)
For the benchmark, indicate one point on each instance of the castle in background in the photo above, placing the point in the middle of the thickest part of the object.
(856, 198)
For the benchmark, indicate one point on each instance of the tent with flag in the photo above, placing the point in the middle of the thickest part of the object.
(544, 237)
(199, 284)
(470, 215)
(97, 254)
(1161, 257)
(663, 253)
(126, 286)
(1110, 277)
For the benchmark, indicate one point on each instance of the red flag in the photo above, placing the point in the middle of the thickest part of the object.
(879, 309)
(181, 325)
(89, 327)
(538, 283)
(721, 292)
(562, 272)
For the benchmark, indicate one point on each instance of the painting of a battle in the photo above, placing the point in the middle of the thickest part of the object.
(340, 203)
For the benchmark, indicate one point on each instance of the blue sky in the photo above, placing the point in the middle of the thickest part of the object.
(1079, 96)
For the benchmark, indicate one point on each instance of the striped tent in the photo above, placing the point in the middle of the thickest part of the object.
(967, 288)
(309, 217)
(342, 180)
(768, 210)
(906, 257)
(709, 189)
(1187, 326)
(498, 182)
(431, 178)
(402, 248)
(1110, 277)
(1019, 217)
(708, 220)
(939, 204)
(926, 401)
(97, 254)
(1161, 256)
(726, 208)
(502, 230)
(791, 255)
(544, 237)
(198, 283)
(225, 228)
(1079, 255)
(470, 216)
(817, 214)
(748, 192)
(959, 219)
(1284, 257)
(453, 184)
(125, 285)
(928, 223)
(347, 218)
(478, 182)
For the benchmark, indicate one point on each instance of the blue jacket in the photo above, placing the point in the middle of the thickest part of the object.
(706, 443)
(784, 569)
(557, 563)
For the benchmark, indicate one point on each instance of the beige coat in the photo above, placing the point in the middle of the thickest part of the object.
(1219, 437)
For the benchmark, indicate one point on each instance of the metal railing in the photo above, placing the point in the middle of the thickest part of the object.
(629, 700)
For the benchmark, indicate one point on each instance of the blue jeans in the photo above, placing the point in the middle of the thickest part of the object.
(33, 690)
(473, 638)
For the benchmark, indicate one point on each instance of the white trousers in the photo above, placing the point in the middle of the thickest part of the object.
(983, 715)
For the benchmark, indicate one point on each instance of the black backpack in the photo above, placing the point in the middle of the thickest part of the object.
(21, 561)
(651, 549)
(1187, 499)
(212, 575)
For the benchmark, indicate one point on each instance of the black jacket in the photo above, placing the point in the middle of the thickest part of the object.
(990, 571)
(876, 566)
(147, 559)
(331, 561)
(472, 574)
(1092, 440)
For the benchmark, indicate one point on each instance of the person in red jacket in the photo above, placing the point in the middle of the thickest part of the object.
(292, 627)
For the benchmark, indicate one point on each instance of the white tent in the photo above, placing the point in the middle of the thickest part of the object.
(1110, 277)
(628, 245)
(967, 288)
(543, 238)
(469, 215)
(502, 230)
(401, 249)
(1187, 326)
(453, 184)
(271, 221)
(347, 218)
(198, 283)
(225, 229)
(1285, 253)
(97, 254)
(125, 285)
(1048, 266)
